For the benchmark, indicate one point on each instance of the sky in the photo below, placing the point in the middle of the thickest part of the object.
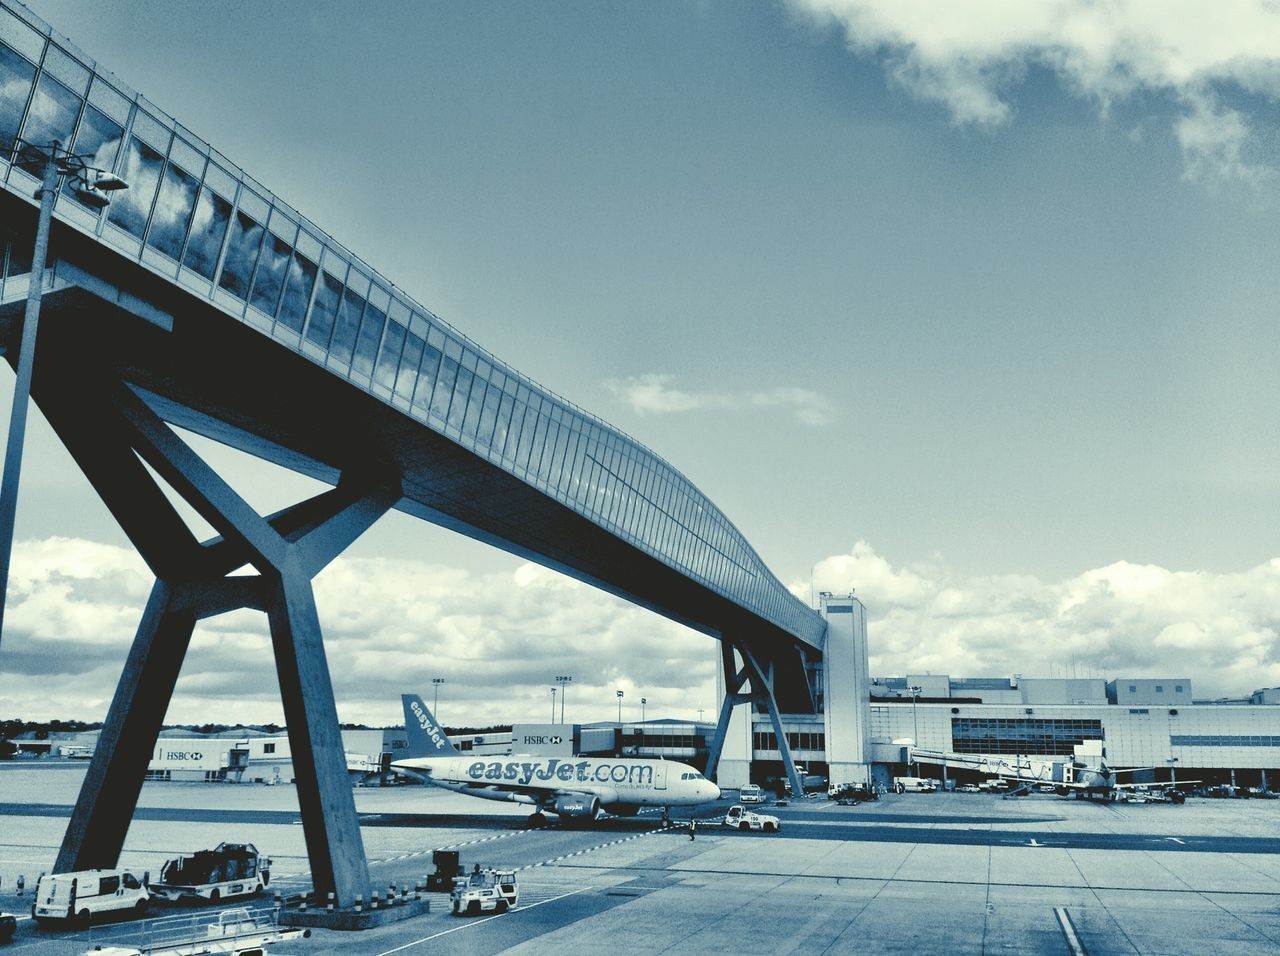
(970, 308)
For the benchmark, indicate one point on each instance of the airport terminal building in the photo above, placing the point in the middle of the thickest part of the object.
(1142, 722)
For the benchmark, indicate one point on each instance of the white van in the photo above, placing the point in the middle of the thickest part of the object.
(914, 784)
(81, 896)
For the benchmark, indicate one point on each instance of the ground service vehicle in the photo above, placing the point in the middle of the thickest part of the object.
(228, 870)
(484, 891)
(82, 896)
(851, 794)
(446, 872)
(914, 784)
(751, 794)
(745, 819)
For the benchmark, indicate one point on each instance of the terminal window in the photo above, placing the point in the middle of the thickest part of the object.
(1001, 735)
(805, 740)
(1224, 740)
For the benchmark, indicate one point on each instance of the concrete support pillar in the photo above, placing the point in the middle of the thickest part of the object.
(730, 772)
(729, 681)
(330, 827)
(194, 581)
(729, 756)
(113, 781)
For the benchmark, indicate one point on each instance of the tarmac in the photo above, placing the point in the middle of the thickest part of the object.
(913, 873)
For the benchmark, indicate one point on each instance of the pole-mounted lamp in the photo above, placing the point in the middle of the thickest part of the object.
(563, 680)
(51, 163)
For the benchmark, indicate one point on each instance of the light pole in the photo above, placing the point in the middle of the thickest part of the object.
(564, 680)
(915, 726)
(53, 162)
(553, 705)
(643, 701)
(435, 704)
(1173, 770)
(619, 708)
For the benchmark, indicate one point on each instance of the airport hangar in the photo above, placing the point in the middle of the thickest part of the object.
(196, 298)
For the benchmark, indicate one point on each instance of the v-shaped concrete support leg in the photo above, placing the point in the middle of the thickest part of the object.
(194, 581)
(762, 692)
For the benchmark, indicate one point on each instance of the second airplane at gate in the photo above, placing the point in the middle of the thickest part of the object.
(566, 786)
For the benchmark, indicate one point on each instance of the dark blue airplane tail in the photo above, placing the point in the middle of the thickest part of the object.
(426, 737)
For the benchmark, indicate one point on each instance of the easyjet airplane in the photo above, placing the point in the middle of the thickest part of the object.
(566, 786)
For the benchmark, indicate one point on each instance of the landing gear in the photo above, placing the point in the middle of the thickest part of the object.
(537, 820)
(666, 817)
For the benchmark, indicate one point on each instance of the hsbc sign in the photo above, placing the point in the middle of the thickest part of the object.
(552, 740)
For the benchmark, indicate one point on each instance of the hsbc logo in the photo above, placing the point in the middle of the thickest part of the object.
(543, 739)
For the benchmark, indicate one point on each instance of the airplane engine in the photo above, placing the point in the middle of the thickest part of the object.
(578, 806)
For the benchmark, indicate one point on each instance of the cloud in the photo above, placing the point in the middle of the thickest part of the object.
(390, 626)
(654, 393)
(1122, 620)
(498, 639)
(969, 56)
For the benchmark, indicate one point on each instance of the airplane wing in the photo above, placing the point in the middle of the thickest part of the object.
(1158, 784)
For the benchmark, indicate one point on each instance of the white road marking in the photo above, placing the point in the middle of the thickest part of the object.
(476, 922)
(1069, 931)
(1177, 841)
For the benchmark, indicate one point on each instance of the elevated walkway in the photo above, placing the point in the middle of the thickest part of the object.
(198, 299)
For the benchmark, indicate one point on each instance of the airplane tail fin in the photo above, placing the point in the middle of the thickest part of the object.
(426, 737)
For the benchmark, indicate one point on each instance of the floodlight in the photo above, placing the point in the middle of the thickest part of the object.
(92, 199)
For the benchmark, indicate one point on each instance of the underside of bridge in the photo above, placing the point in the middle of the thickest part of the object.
(119, 359)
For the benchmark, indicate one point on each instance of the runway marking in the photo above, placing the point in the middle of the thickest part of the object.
(477, 922)
(592, 849)
(1069, 931)
(452, 846)
(1177, 841)
(301, 877)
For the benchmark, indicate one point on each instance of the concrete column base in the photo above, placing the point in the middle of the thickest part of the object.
(349, 919)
